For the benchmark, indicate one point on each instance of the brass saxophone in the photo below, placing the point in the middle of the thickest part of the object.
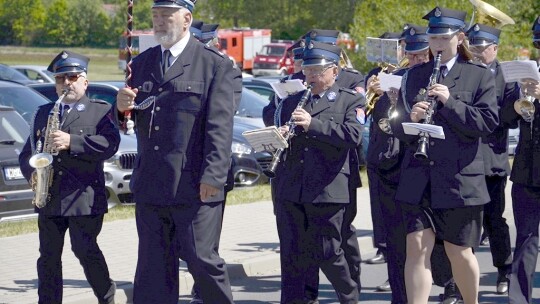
(43, 156)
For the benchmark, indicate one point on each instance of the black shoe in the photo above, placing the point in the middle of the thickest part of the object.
(484, 241)
(384, 286)
(451, 294)
(195, 297)
(502, 285)
(377, 259)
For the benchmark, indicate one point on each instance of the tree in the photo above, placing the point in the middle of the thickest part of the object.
(20, 21)
(56, 32)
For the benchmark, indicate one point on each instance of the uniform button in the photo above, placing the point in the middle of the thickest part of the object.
(160, 89)
(59, 160)
(81, 131)
(60, 172)
(306, 149)
(536, 129)
(156, 148)
(458, 97)
(156, 128)
(301, 161)
(431, 163)
(189, 88)
(536, 142)
(432, 143)
(157, 109)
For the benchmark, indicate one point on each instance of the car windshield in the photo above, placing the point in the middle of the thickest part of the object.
(7, 73)
(268, 50)
(251, 104)
(12, 128)
(24, 100)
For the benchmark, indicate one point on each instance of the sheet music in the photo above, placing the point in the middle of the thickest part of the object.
(389, 81)
(390, 50)
(514, 71)
(373, 49)
(414, 128)
(289, 87)
(265, 139)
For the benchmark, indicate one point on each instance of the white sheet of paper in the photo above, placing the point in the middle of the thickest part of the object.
(514, 71)
(414, 128)
(265, 139)
(389, 81)
(284, 89)
(373, 49)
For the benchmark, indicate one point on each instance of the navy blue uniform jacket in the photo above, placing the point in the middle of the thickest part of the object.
(321, 164)
(78, 186)
(187, 141)
(455, 169)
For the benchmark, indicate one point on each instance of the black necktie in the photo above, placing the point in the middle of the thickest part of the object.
(444, 71)
(314, 99)
(165, 61)
(63, 112)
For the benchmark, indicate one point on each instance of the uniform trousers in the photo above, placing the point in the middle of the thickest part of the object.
(350, 249)
(83, 232)
(495, 225)
(384, 192)
(310, 234)
(187, 231)
(379, 230)
(526, 207)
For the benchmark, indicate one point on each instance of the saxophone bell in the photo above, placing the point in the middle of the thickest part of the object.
(42, 179)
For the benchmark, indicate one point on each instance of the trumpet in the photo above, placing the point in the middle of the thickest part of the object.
(271, 170)
(371, 96)
(423, 142)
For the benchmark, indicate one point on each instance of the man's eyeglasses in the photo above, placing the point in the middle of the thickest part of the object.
(316, 71)
(70, 77)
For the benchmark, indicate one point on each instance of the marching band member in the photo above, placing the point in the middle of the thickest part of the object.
(185, 94)
(310, 206)
(525, 179)
(442, 190)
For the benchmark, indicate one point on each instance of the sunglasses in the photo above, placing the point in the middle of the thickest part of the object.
(70, 77)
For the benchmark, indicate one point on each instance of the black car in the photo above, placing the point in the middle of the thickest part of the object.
(24, 100)
(15, 192)
(96, 90)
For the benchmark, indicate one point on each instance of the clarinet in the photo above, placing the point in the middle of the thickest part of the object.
(271, 170)
(423, 142)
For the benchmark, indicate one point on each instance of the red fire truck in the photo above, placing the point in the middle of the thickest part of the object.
(242, 44)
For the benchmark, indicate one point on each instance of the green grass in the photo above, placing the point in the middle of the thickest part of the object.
(240, 195)
(103, 62)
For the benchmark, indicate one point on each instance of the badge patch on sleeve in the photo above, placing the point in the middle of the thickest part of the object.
(360, 116)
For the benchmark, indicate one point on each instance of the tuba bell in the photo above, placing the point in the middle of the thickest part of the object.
(489, 15)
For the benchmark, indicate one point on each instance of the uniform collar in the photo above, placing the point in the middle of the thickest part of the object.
(178, 47)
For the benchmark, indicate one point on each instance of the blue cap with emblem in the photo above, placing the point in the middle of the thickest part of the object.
(536, 29)
(297, 49)
(320, 53)
(195, 29)
(416, 39)
(326, 36)
(188, 4)
(209, 32)
(483, 35)
(444, 21)
(68, 62)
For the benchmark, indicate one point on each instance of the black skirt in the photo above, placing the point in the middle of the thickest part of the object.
(459, 226)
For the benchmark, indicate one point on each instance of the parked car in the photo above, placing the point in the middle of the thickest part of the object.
(260, 87)
(118, 169)
(15, 192)
(104, 90)
(8, 73)
(24, 100)
(37, 73)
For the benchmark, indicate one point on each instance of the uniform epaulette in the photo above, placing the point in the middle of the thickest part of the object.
(351, 70)
(99, 101)
(350, 91)
(477, 63)
(214, 50)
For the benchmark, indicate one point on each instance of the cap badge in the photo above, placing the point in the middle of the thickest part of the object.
(438, 12)
(412, 32)
(64, 55)
(406, 27)
(302, 44)
(313, 35)
(310, 46)
(332, 96)
(476, 28)
(80, 107)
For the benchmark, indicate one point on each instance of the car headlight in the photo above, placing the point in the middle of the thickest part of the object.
(240, 148)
